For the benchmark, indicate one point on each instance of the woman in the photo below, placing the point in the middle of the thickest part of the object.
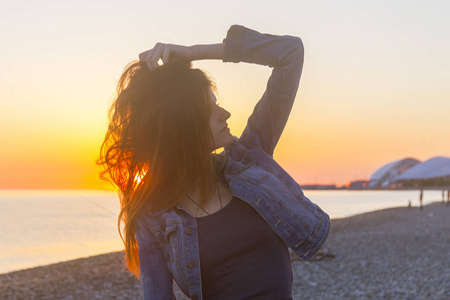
(218, 224)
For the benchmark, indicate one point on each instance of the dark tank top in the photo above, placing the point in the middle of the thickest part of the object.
(241, 257)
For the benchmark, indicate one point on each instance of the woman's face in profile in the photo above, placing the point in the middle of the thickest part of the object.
(218, 125)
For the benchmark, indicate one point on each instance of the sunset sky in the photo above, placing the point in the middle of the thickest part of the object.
(375, 85)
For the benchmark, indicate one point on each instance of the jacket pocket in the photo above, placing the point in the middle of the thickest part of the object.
(167, 240)
(163, 234)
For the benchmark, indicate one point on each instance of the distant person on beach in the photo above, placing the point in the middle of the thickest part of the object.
(218, 224)
(443, 196)
(448, 197)
(421, 199)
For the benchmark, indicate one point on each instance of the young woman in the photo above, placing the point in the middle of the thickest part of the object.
(218, 224)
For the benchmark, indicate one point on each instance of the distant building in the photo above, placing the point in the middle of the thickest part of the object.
(402, 173)
(433, 172)
(358, 185)
(385, 176)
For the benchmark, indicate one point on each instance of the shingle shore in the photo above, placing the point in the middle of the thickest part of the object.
(397, 253)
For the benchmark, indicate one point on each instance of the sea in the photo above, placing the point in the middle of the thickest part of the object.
(41, 227)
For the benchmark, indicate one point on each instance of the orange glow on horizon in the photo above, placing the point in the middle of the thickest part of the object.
(358, 105)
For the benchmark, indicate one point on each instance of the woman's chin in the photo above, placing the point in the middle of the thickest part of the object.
(224, 141)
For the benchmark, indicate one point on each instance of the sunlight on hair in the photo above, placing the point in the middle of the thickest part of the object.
(138, 178)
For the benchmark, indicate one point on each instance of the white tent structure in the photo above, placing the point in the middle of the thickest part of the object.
(435, 167)
(385, 176)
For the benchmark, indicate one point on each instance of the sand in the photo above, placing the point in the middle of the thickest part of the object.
(398, 253)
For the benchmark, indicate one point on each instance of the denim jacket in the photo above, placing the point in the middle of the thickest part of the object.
(168, 240)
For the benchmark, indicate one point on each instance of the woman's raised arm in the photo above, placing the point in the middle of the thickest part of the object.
(285, 55)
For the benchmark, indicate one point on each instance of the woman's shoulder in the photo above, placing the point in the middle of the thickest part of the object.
(230, 153)
(235, 148)
(236, 154)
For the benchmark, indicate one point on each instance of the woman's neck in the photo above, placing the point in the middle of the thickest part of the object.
(219, 198)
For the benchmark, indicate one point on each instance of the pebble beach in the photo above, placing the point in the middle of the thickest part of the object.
(396, 253)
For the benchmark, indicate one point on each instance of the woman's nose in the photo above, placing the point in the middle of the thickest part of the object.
(225, 115)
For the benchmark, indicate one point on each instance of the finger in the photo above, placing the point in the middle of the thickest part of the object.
(165, 55)
(146, 54)
(154, 56)
(143, 55)
(149, 55)
(153, 50)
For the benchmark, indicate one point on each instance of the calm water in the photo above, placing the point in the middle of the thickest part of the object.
(43, 227)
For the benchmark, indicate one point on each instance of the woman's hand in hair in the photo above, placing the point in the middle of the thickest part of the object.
(165, 53)
(170, 52)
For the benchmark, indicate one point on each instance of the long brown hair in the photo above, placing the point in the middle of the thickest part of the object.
(158, 143)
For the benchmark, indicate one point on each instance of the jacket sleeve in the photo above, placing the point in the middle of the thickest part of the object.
(156, 280)
(285, 55)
